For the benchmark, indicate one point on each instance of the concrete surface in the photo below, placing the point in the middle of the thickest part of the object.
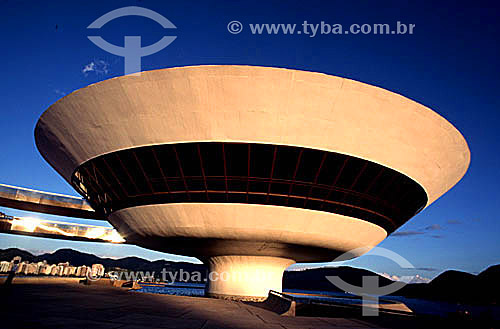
(62, 303)
(254, 104)
(235, 222)
(228, 103)
(248, 277)
(45, 202)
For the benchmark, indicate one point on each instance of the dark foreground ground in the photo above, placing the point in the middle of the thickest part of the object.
(59, 303)
(63, 303)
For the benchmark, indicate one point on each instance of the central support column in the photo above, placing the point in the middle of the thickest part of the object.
(245, 277)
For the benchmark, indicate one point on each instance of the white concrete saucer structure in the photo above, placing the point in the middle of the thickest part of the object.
(250, 169)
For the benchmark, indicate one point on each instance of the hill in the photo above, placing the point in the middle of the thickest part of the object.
(458, 286)
(451, 285)
(77, 258)
(315, 279)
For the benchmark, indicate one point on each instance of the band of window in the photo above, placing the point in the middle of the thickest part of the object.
(250, 173)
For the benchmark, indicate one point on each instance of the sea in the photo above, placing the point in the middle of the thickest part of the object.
(418, 306)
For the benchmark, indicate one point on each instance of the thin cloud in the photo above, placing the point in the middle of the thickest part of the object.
(422, 231)
(406, 278)
(38, 252)
(433, 227)
(99, 67)
(427, 269)
(418, 279)
(407, 233)
(59, 92)
(390, 277)
(90, 67)
(453, 222)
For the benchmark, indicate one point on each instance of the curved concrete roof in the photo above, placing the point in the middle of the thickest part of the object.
(254, 104)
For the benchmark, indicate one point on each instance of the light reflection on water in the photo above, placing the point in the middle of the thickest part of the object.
(417, 305)
(187, 289)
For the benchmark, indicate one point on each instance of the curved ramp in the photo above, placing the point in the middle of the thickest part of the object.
(58, 230)
(46, 202)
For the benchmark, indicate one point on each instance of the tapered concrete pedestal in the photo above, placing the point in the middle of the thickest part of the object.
(245, 277)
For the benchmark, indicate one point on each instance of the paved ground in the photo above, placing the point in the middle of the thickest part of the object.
(60, 303)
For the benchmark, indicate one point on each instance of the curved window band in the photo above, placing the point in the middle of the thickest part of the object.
(250, 173)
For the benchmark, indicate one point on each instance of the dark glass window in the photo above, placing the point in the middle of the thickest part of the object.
(250, 173)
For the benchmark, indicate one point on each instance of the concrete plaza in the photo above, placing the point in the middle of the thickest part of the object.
(61, 303)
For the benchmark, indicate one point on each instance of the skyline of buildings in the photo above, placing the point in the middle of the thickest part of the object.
(59, 269)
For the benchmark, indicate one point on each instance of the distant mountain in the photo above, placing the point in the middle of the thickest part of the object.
(77, 258)
(490, 275)
(8, 254)
(315, 278)
(457, 286)
(451, 285)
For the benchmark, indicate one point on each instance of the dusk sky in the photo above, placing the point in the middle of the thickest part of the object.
(450, 64)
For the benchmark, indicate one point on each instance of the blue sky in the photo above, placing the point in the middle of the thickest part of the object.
(449, 64)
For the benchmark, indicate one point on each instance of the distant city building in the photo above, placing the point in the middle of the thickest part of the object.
(30, 269)
(81, 271)
(47, 270)
(60, 269)
(21, 268)
(97, 270)
(5, 266)
(54, 270)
